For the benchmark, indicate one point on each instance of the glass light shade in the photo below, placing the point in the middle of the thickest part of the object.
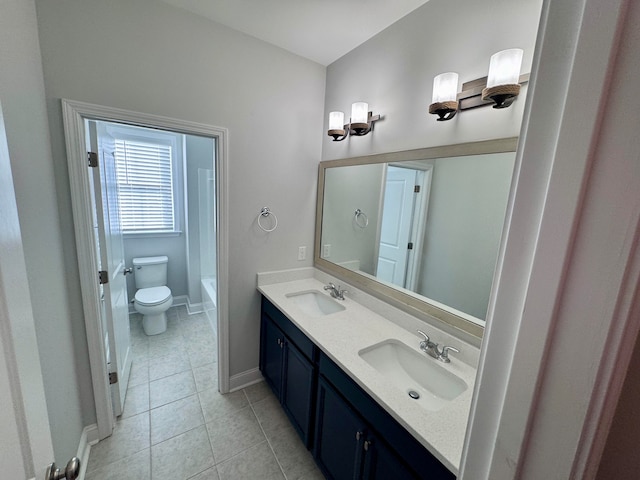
(504, 68)
(445, 87)
(336, 121)
(360, 112)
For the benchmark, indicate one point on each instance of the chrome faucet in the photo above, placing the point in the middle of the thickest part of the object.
(335, 291)
(433, 350)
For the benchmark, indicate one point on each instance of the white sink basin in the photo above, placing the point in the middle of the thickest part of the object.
(315, 303)
(414, 372)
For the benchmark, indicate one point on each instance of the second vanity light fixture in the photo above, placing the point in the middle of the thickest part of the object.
(500, 88)
(361, 122)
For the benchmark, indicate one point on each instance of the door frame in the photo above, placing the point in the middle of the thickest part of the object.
(74, 116)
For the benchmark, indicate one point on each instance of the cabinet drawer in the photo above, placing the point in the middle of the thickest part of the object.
(418, 458)
(298, 338)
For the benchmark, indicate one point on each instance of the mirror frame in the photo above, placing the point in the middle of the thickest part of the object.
(405, 300)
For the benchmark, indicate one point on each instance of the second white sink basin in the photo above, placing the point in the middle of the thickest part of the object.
(315, 303)
(415, 373)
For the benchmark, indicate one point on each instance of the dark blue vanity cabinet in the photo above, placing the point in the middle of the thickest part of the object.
(288, 366)
(345, 445)
(350, 435)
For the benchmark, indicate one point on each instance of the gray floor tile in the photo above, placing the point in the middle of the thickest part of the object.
(139, 372)
(129, 436)
(206, 376)
(258, 391)
(136, 466)
(171, 440)
(294, 458)
(183, 456)
(270, 414)
(202, 353)
(136, 401)
(175, 418)
(170, 389)
(232, 433)
(255, 462)
(209, 474)
(164, 344)
(175, 362)
(214, 404)
(140, 351)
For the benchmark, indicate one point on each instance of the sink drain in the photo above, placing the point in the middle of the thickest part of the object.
(413, 394)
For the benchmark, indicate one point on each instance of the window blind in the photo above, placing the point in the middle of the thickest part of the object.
(145, 186)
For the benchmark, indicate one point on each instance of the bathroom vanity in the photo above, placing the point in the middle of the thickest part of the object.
(347, 378)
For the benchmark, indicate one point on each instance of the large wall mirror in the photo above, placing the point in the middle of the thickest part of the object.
(419, 228)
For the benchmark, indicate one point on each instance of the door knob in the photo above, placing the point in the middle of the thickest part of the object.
(71, 472)
(128, 270)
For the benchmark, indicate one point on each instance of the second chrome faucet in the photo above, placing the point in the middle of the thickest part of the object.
(433, 350)
(335, 291)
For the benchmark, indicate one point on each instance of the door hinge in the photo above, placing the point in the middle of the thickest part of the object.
(92, 157)
(103, 277)
(416, 189)
(113, 378)
(410, 246)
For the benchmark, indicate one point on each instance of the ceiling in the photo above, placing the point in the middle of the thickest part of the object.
(320, 30)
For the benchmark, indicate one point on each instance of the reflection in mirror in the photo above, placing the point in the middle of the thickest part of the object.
(420, 225)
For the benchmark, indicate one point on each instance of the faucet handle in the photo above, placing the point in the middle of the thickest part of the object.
(426, 337)
(444, 355)
(329, 286)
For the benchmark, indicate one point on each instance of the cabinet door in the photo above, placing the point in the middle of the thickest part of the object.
(297, 391)
(271, 354)
(382, 463)
(339, 435)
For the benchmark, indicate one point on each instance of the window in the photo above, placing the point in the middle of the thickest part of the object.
(146, 173)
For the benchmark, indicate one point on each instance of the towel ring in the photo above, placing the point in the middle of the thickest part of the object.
(265, 212)
(361, 223)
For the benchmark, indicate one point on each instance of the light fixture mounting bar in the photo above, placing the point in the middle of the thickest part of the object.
(359, 130)
(471, 94)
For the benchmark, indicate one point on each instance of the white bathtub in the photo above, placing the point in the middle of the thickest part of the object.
(209, 301)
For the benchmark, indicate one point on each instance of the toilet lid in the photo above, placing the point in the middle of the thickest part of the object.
(153, 295)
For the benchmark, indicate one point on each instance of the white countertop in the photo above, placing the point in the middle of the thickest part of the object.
(343, 334)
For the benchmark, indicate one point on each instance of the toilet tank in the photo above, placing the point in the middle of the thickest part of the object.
(150, 271)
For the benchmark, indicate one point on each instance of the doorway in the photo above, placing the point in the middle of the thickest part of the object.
(77, 119)
(405, 199)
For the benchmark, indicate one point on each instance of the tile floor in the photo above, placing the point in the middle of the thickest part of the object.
(176, 425)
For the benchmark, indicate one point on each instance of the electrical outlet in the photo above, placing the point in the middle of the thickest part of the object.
(326, 250)
(302, 253)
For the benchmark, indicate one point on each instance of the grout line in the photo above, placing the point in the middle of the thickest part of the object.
(265, 436)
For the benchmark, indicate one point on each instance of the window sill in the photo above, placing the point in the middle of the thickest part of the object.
(151, 234)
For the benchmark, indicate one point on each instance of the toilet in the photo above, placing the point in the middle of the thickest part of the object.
(153, 297)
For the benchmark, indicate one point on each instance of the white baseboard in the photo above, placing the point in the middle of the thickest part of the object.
(194, 307)
(245, 379)
(88, 438)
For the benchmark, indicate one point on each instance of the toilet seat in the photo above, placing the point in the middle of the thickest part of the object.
(149, 297)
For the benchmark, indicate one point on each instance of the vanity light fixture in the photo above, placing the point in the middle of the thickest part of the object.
(499, 89)
(504, 73)
(361, 122)
(444, 102)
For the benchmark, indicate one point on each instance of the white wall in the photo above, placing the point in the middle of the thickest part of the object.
(347, 189)
(47, 239)
(394, 73)
(150, 57)
(467, 206)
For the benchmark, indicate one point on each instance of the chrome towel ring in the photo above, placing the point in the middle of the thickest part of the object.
(361, 219)
(266, 212)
